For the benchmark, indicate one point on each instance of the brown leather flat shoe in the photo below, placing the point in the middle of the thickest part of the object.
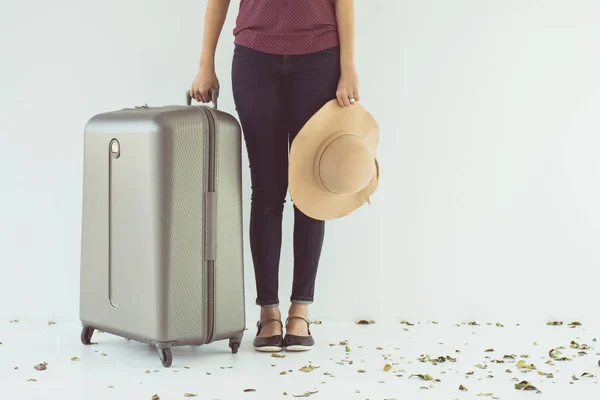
(269, 343)
(295, 342)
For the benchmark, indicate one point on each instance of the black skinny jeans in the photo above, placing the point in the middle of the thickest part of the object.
(275, 96)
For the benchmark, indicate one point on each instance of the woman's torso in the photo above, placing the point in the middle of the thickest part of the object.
(286, 26)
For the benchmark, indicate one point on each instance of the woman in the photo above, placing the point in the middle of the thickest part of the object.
(290, 58)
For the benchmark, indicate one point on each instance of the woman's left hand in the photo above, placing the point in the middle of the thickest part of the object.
(347, 90)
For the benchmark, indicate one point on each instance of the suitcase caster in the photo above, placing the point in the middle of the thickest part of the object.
(166, 357)
(234, 345)
(86, 335)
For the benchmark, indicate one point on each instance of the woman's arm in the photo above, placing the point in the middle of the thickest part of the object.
(206, 79)
(348, 85)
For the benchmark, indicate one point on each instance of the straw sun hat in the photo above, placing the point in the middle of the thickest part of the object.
(333, 167)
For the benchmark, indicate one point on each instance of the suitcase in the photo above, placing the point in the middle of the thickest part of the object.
(161, 244)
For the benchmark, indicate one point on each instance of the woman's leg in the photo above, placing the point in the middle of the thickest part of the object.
(314, 82)
(257, 89)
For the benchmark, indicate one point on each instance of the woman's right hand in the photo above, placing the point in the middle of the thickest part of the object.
(205, 80)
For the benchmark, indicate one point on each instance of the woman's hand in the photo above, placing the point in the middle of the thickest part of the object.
(347, 91)
(205, 80)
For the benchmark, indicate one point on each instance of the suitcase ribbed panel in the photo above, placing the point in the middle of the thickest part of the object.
(229, 263)
(185, 306)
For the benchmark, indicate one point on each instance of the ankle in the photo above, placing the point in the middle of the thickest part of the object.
(298, 310)
(270, 313)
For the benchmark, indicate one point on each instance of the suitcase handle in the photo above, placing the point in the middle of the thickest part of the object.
(214, 95)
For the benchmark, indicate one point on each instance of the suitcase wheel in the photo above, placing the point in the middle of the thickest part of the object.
(234, 344)
(166, 357)
(86, 335)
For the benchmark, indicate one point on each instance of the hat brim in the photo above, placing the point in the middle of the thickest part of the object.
(306, 193)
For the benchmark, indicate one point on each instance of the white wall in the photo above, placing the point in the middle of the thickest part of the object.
(490, 129)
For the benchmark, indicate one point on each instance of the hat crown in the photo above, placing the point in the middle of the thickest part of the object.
(346, 165)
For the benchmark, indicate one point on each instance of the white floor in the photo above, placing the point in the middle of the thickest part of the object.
(115, 368)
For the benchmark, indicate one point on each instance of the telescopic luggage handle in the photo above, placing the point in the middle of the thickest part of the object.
(214, 95)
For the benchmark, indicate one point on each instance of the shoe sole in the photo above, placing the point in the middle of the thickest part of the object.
(268, 349)
(298, 348)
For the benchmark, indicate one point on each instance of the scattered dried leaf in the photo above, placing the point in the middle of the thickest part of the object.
(575, 323)
(461, 387)
(425, 377)
(74, 359)
(51, 323)
(317, 322)
(387, 367)
(554, 323)
(155, 397)
(524, 385)
(522, 364)
(361, 371)
(403, 322)
(365, 322)
(308, 368)
(41, 367)
(275, 355)
(249, 390)
(31, 380)
(190, 395)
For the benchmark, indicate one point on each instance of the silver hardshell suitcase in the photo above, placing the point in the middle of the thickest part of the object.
(161, 247)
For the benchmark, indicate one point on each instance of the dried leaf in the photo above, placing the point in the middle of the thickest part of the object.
(554, 323)
(524, 385)
(148, 371)
(110, 386)
(574, 344)
(155, 397)
(317, 322)
(387, 367)
(510, 356)
(499, 325)
(348, 349)
(403, 322)
(186, 367)
(275, 355)
(554, 353)
(190, 395)
(51, 323)
(104, 354)
(308, 368)
(488, 350)
(74, 359)
(249, 390)
(473, 323)
(587, 375)
(522, 364)
(41, 367)
(361, 371)
(425, 377)
(343, 343)
(461, 387)
(365, 322)
(31, 380)
(481, 366)
(575, 323)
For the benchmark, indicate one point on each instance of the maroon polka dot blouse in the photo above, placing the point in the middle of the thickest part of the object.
(286, 26)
